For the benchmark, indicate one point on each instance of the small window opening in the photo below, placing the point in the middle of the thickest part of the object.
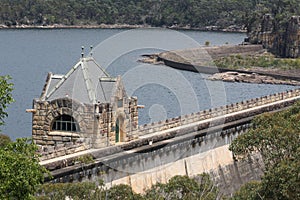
(64, 123)
(120, 103)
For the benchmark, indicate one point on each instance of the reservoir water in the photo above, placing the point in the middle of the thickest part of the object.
(28, 55)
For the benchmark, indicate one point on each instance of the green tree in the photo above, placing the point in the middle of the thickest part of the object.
(75, 191)
(6, 98)
(276, 136)
(20, 171)
(4, 140)
(184, 187)
(123, 192)
(249, 191)
(178, 187)
(193, 13)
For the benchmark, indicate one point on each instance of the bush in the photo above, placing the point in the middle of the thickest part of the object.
(60, 191)
(4, 140)
(123, 192)
(276, 137)
(20, 171)
(184, 187)
(178, 187)
(249, 191)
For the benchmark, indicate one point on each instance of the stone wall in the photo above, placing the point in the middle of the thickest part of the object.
(106, 124)
(54, 143)
(96, 124)
(215, 112)
(128, 113)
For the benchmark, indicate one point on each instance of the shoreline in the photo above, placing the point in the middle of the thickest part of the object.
(118, 26)
(188, 59)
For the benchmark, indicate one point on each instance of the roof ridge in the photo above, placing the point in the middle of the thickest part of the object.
(64, 78)
(88, 83)
(46, 86)
(88, 73)
(99, 66)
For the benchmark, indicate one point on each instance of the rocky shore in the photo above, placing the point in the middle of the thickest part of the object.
(62, 26)
(151, 59)
(231, 29)
(232, 76)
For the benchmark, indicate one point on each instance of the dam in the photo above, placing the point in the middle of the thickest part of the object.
(186, 145)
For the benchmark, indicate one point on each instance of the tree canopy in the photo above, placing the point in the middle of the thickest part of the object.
(178, 187)
(20, 171)
(183, 187)
(4, 140)
(276, 136)
(194, 13)
(6, 98)
(240, 14)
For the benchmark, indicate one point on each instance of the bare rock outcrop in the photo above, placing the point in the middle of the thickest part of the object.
(250, 78)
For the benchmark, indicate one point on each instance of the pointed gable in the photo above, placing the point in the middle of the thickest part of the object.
(86, 82)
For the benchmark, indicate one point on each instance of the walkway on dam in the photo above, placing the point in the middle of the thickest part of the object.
(148, 137)
(219, 118)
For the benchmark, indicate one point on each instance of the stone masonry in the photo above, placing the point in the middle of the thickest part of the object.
(95, 121)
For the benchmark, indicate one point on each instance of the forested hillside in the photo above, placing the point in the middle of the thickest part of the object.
(216, 14)
(181, 13)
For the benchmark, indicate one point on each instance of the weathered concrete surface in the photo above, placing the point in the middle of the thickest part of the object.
(189, 148)
(201, 60)
(226, 173)
(204, 55)
(142, 167)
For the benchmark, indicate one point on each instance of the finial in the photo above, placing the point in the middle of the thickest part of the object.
(82, 51)
(91, 53)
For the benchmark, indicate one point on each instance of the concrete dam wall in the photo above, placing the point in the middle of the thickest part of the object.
(194, 144)
(201, 60)
(187, 155)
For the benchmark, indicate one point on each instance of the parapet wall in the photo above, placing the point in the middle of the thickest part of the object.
(150, 164)
(198, 144)
(54, 144)
(215, 112)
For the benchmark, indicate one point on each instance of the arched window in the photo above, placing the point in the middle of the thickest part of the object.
(64, 123)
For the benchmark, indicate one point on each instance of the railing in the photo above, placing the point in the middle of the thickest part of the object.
(214, 112)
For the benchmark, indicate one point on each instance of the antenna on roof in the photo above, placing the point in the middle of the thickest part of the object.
(82, 51)
(91, 53)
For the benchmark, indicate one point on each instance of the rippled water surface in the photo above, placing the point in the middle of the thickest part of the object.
(28, 55)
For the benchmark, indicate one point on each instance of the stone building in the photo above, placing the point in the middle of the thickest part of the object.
(83, 109)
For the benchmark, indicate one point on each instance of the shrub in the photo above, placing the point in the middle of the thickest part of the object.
(4, 140)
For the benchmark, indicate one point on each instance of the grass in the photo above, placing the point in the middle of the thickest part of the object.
(250, 61)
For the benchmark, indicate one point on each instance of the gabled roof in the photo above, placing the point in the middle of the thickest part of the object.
(86, 82)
